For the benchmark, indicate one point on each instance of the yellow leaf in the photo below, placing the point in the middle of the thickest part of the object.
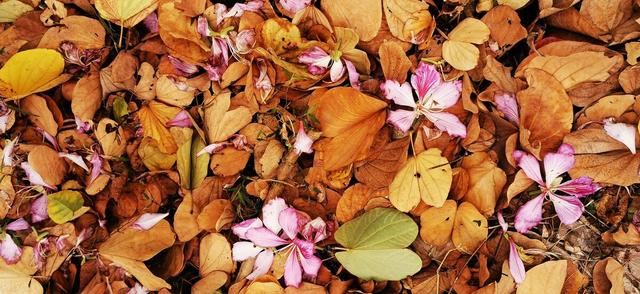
(366, 22)
(111, 137)
(427, 176)
(153, 158)
(436, 223)
(17, 278)
(280, 35)
(576, 68)
(215, 255)
(470, 228)
(153, 118)
(545, 278)
(12, 9)
(31, 71)
(459, 50)
(126, 13)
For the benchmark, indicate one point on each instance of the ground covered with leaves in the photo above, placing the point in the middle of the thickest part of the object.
(319, 146)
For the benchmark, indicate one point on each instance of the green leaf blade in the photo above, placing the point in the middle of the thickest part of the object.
(380, 228)
(380, 265)
(62, 205)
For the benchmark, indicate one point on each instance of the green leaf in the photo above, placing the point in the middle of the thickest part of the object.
(376, 243)
(380, 265)
(63, 205)
(120, 108)
(380, 228)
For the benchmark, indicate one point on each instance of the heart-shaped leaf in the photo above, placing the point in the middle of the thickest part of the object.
(376, 244)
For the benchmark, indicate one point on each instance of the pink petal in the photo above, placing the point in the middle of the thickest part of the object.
(315, 57)
(529, 215)
(400, 94)
(212, 148)
(214, 71)
(337, 70)
(148, 220)
(401, 119)
(516, 267)
(447, 122)
(48, 137)
(9, 251)
(96, 166)
(292, 270)
(426, 76)
(82, 126)
(271, 213)
(501, 221)
(304, 247)
(354, 76)
(624, 133)
(182, 119)
(185, 68)
(62, 242)
(4, 120)
(579, 187)
(34, 177)
(151, 22)
(529, 164)
(7, 152)
(244, 41)
(507, 104)
(241, 229)
(75, 158)
(289, 220)
(244, 250)
(558, 163)
(262, 264)
(264, 237)
(18, 225)
(315, 230)
(311, 265)
(240, 8)
(443, 95)
(138, 289)
(39, 211)
(568, 208)
(294, 6)
(636, 220)
(303, 141)
(202, 26)
(239, 142)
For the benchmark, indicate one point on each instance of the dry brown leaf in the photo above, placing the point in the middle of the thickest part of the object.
(215, 255)
(486, 181)
(168, 92)
(111, 137)
(354, 200)
(395, 63)
(409, 20)
(350, 14)
(83, 32)
(543, 104)
(221, 122)
(504, 24)
(46, 162)
(623, 236)
(608, 276)
(436, 223)
(463, 225)
(218, 214)
(185, 221)
(39, 113)
(229, 161)
(87, 96)
(351, 119)
(154, 117)
(384, 160)
(459, 50)
(545, 278)
(179, 34)
(125, 13)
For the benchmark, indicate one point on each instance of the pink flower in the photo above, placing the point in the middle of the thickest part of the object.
(516, 267)
(507, 104)
(303, 141)
(48, 137)
(9, 250)
(96, 166)
(138, 289)
(318, 62)
(182, 119)
(41, 251)
(237, 10)
(5, 113)
(202, 26)
(434, 96)
(212, 148)
(568, 207)
(294, 6)
(289, 230)
(243, 41)
(148, 220)
(184, 68)
(34, 177)
(39, 211)
(219, 59)
(624, 133)
(80, 60)
(262, 83)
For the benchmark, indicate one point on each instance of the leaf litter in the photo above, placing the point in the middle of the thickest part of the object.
(319, 146)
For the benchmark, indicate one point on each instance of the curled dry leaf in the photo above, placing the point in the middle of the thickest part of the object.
(608, 276)
(409, 20)
(543, 104)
